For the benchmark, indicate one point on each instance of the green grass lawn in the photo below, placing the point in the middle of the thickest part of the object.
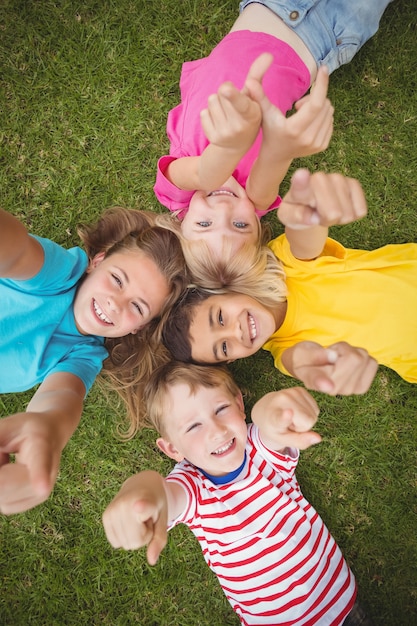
(85, 90)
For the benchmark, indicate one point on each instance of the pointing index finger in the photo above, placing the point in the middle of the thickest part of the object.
(321, 85)
(258, 69)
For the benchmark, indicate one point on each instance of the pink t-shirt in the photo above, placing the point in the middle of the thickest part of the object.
(285, 82)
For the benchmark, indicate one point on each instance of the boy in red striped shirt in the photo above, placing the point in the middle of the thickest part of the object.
(234, 486)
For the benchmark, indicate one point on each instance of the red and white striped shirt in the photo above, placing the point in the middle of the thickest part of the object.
(275, 559)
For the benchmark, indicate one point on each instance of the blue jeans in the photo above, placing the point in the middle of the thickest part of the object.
(333, 30)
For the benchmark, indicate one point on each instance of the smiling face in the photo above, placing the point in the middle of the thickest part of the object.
(225, 212)
(207, 428)
(228, 327)
(120, 294)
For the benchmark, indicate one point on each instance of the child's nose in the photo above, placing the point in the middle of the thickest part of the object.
(113, 305)
(231, 334)
(232, 329)
(237, 331)
(218, 430)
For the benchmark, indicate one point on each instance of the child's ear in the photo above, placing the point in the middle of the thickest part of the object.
(95, 261)
(167, 448)
(239, 400)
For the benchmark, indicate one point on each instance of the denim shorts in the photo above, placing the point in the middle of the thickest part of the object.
(333, 30)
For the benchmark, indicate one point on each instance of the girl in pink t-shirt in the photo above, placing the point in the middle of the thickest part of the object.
(230, 143)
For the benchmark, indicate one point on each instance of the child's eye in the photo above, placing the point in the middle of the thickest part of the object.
(222, 408)
(192, 427)
(221, 321)
(240, 224)
(204, 224)
(117, 280)
(224, 348)
(139, 309)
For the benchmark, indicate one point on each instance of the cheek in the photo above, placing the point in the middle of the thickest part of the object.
(197, 210)
(85, 287)
(272, 326)
(244, 427)
(97, 280)
(198, 201)
(186, 229)
(239, 426)
(252, 238)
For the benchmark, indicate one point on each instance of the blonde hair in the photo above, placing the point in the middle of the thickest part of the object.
(174, 373)
(133, 358)
(253, 269)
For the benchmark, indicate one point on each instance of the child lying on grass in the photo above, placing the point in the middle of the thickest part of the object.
(231, 143)
(234, 485)
(63, 313)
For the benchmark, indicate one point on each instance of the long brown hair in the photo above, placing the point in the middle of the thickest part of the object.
(133, 358)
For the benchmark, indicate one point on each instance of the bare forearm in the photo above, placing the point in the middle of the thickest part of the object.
(206, 172)
(307, 243)
(264, 180)
(60, 406)
(216, 165)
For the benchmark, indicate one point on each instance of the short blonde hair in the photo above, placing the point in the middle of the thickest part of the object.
(253, 269)
(174, 373)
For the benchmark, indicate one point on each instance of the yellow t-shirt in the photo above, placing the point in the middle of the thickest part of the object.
(366, 298)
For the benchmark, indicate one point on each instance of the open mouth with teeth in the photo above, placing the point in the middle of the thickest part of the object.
(225, 449)
(252, 328)
(222, 192)
(101, 315)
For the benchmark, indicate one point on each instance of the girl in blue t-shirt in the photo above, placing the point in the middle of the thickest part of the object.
(63, 313)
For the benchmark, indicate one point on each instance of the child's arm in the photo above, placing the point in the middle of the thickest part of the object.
(313, 203)
(38, 436)
(338, 369)
(306, 132)
(139, 513)
(285, 419)
(37, 439)
(21, 256)
(231, 124)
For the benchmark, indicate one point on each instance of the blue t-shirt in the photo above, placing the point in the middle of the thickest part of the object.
(38, 335)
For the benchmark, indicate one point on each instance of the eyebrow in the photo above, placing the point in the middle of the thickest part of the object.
(127, 281)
